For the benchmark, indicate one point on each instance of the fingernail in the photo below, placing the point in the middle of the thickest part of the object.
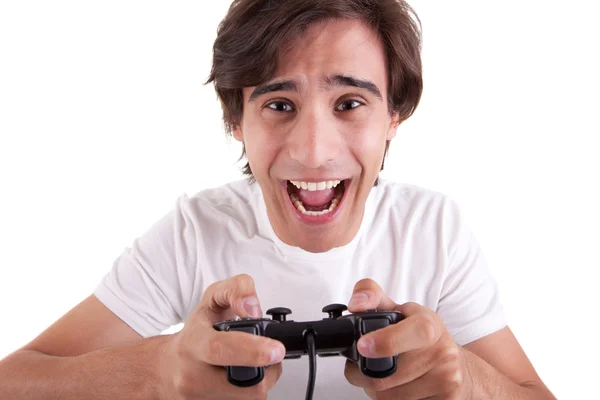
(366, 346)
(359, 299)
(277, 354)
(252, 307)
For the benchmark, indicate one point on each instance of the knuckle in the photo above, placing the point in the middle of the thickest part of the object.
(448, 355)
(179, 348)
(215, 347)
(426, 329)
(241, 286)
(184, 386)
(213, 287)
(410, 307)
(452, 379)
(243, 281)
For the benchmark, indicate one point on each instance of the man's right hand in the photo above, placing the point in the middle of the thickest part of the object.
(192, 365)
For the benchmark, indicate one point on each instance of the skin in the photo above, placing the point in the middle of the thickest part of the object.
(431, 365)
(320, 132)
(100, 357)
(309, 134)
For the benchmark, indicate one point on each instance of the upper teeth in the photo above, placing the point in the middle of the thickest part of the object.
(312, 186)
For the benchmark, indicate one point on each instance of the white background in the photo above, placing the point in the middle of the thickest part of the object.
(104, 122)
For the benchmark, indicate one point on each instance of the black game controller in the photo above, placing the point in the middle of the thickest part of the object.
(335, 335)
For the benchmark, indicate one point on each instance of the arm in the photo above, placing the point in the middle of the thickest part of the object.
(88, 353)
(91, 354)
(507, 374)
(432, 365)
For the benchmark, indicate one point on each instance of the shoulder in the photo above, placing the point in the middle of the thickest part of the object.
(234, 203)
(414, 213)
(410, 200)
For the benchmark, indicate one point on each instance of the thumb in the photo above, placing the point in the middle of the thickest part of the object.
(232, 297)
(368, 295)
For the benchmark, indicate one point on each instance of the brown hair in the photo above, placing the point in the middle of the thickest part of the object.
(253, 33)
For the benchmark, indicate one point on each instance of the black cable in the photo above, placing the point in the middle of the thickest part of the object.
(312, 364)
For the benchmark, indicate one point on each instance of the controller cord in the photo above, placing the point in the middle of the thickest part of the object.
(312, 364)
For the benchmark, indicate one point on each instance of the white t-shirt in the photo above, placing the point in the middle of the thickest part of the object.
(412, 241)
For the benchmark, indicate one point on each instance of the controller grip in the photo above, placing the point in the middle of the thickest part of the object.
(375, 367)
(245, 376)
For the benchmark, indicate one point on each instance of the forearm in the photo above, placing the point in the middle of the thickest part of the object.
(129, 372)
(488, 383)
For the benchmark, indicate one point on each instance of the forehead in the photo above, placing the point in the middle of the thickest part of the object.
(344, 47)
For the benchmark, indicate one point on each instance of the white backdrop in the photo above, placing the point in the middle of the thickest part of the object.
(104, 122)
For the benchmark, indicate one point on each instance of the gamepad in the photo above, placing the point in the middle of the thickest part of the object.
(335, 335)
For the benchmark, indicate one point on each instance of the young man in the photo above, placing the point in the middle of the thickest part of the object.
(315, 91)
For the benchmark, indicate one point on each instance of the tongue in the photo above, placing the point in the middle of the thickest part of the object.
(316, 198)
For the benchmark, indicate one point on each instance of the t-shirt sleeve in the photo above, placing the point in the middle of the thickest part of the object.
(470, 301)
(146, 285)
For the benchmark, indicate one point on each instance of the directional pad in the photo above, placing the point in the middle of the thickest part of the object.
(372, 324)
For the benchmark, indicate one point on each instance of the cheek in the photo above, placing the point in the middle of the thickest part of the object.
(368, 142)
(262, 145)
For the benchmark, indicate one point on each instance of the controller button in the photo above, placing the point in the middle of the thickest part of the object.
(334, 310)
(372, 324)
(244, 374)
(279, 313)
(379, 364)
(248, 329)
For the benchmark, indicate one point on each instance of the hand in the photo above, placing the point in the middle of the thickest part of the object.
(193, 361)
(430, 364)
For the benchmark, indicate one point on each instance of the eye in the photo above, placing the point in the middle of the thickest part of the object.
(280, 106)
(348, 105)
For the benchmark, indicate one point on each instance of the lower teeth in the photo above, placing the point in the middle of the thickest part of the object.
(300, 207)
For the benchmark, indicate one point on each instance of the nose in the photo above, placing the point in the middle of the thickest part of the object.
(314, 140)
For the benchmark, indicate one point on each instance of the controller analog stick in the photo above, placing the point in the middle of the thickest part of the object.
(335, 310)
(279, 313)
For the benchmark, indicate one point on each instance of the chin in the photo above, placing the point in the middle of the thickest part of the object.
(316, 214)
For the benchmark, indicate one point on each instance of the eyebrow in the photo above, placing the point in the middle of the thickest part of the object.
(283, 86)
(350, 81)
(328, 83)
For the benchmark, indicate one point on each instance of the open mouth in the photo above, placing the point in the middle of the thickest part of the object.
(316, 198)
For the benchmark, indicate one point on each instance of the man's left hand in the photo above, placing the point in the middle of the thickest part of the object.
(430, 364)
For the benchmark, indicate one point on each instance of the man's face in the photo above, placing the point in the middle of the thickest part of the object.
(315, 134)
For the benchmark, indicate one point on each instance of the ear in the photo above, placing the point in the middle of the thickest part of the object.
(393, 128)
(238, 134)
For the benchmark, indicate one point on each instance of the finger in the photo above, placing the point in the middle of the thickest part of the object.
(418, 331)
(409, 366)
(368, 295)
(237, 348)
(422, 387)
(437, 383)
(236, 294)
(211, 382)
(258, 391)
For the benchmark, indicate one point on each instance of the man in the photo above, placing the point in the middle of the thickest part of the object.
(315, 91)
